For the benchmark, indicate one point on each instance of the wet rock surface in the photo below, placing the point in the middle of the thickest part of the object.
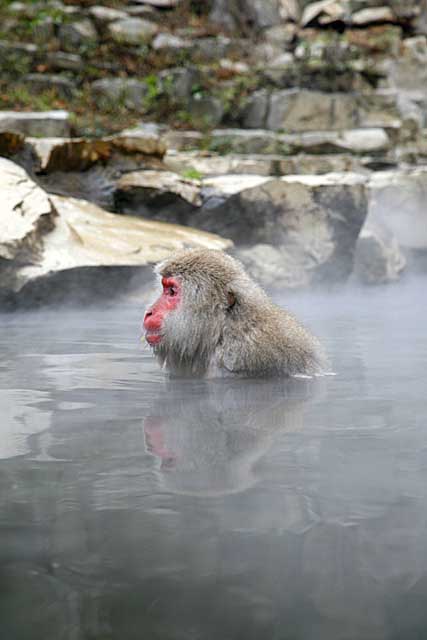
(37, 123)
(312, 221)
(27, 213)
(52, 246)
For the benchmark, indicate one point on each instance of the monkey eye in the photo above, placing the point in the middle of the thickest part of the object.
(170, 287)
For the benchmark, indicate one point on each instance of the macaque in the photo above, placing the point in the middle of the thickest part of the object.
(212, 320)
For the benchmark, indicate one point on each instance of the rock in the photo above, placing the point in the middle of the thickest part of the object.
(264, 52)
(35, 123)
(409, 70)
(254, 14)
(145, 139)
(216, 191)
(105, 238)
(211, 49)
(103, 15)
(161, 4)
(321, 240)
(372, 140)
(94, 254)
(262, 14)
(27, 213)
(378, 258)
(55, 248)
(281, 35)
(75, 154)
(242, 141)
(280, 69)
(177, 139)
(169, 42)
(132, 31)
(381, 39)
(234, 66)
(222, 16)
(158, 195)
(205, 111)
(371, 15)
(73, 35)
(31, 10)
(179, 82)
(10, 143)
(130, 91)
(40, 82)
(289, 10)
(145, 11)
(379, 109)
(412, 110)
(305, 163)
(163, 195)
(324, 12)
(398, 204)
(296, 110)
(79, 154)
(255, 109)
(273, 268)
(62, 61)
(420, 19)
(210, 165)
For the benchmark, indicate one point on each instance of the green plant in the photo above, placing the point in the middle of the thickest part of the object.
(14, 64)
(183, 116)
(20, 97)
(154, 91)
(192, 174)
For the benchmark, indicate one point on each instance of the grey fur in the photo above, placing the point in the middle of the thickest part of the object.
(227, 325)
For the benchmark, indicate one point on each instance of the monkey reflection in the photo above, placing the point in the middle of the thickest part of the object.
(209, 436)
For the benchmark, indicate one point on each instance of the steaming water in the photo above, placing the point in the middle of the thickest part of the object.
(136, 508)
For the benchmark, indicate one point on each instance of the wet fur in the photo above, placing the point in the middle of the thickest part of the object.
(227, 325)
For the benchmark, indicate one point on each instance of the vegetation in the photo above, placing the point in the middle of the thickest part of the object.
(192, 174)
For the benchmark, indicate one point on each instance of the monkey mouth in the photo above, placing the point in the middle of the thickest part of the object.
(153, 338)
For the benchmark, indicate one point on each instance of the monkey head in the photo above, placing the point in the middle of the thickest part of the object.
(185, 324)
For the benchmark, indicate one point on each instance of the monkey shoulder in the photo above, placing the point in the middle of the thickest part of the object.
(273, 344)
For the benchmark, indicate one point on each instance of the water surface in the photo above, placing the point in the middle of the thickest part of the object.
(132, 506)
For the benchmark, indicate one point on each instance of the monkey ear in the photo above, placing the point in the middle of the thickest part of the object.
(231, 300)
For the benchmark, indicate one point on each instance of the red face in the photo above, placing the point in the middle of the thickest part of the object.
(155, 315)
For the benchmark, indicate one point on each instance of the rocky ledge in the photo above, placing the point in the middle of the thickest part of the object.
(293, 134)
(76, 208)
(55, 249)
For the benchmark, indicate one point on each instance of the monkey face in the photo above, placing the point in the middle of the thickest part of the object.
(156, 314)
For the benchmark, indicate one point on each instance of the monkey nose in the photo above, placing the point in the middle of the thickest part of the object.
(147, 315)
(152, 322)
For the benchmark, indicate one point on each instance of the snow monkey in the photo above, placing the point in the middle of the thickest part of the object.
(212, 320)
